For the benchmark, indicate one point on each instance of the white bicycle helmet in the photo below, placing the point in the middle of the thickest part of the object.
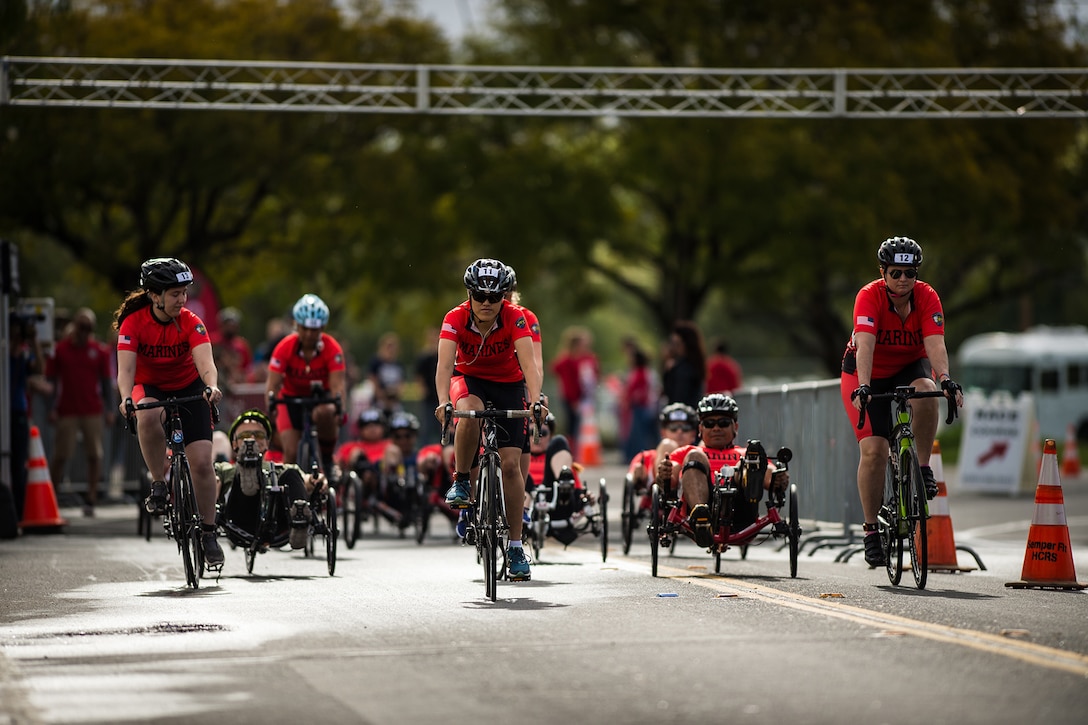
(311, 311)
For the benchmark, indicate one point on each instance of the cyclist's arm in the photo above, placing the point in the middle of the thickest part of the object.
(938, 356)
(205, 368)
(272, 384)
(338, 386)
(866, 347)
(447, 350)
(523, 346)
(126, 375)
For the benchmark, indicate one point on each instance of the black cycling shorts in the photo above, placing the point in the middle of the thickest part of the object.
(503, 396)
(196, 417)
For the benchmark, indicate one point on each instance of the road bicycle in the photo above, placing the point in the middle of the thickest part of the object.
(734, 507)
(182, 520)
(904, 507)
(488, 528)
(323, 521)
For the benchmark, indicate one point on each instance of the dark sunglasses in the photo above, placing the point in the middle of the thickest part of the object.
(259, 435)
(897, 273)
(492, 298)
(403, 434)
(680, 428)
(712, 423)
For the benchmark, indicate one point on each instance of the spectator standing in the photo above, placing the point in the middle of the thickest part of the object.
(723, 372)
(577, 369)
(638, 401)
(426, 365)
(25, 358)
(82, 372)
(387, 373)
(233, 354)
(685, 365)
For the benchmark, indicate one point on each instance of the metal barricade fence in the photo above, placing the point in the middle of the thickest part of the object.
(808, 418)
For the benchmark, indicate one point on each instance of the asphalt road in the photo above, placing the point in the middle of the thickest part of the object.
(97, 626)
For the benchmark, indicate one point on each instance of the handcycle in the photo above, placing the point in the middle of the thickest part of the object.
(487, 527)
(563, 496)
(274, 506)
(322, 499)
(904, 507)
(182, 520)
(732, 524)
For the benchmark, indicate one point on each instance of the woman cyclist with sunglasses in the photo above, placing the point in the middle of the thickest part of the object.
(898, 339)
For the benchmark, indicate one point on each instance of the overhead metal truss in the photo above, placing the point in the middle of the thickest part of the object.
(544, 90)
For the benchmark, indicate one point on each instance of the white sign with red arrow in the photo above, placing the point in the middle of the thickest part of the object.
(995, 442)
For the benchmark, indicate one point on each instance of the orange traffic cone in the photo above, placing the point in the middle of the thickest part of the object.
(1048, 561)
(941, 543)
(1070, 454)
(589, 439)
(40, 512)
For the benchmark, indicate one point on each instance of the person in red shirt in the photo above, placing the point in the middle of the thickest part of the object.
(81, 371)
(577, 369)
(163, 351)
(723, 373)
(485, 353)
(898, 339)
(306, 359)
(679, 426)
(693, 467)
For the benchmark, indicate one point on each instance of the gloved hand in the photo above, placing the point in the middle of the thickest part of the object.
(951, 387)
(863, 392)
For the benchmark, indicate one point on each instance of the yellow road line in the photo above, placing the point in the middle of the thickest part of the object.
(1029, 652)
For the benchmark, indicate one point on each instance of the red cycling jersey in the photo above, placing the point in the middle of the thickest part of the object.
(491, 357)
(298, 372)
(373, 451)
(718, 457)
(898, 342)
(164, 350)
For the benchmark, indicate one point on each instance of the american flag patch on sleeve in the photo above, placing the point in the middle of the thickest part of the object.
(865, 321)
(447, 327)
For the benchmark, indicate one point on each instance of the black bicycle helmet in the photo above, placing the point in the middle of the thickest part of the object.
(251, 415)
(402, 420)
(372, 415)
(488, 275)
(899, 251)
(162, 273)
(678, 413)
(719, 403)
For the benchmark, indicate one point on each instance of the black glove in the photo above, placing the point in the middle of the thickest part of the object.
(863, 392)
(951, 387)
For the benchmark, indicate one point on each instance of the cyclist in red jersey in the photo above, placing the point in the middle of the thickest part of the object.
(306, 359)
(694, 467)
(485, 354)
(898, 339)
(163, 351)
(679, 425)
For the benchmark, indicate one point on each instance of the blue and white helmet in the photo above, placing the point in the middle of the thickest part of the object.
(311, 311)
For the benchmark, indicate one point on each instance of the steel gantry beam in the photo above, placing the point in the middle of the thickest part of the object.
(544, 90)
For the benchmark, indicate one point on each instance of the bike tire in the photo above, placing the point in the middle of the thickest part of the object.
(187, 524)
(888, 522)
(602, 512)
(330, 522)
(487, 535)
(794, 532)
(918, 539)
(540, 519)
(628, 515)
(350, 503)
(653, 529)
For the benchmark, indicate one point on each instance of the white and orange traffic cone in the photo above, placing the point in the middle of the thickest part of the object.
(40, 512)
(940, 541)
(1070, 454)
(589, 438)
(1048, 561)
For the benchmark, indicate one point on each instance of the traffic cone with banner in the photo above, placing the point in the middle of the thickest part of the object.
(1070, 454)
(940, 541)
(40, 512)
(1048, 561)
(589, 439)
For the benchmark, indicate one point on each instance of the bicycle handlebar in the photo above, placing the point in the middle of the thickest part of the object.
(492, 414)
(305, 401)
(903, 394)
(131, 408)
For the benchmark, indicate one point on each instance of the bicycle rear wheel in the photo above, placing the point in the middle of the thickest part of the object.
(794, 532)
(628, 515)
(654, 527)
(889, 523)
(917, 539)
(602, 513)
(352, 504)
(327, 520)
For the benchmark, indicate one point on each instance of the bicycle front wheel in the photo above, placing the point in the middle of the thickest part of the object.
(487, 529)
(889, 523)
(351, 501)
(188, 524)
(918, 539)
